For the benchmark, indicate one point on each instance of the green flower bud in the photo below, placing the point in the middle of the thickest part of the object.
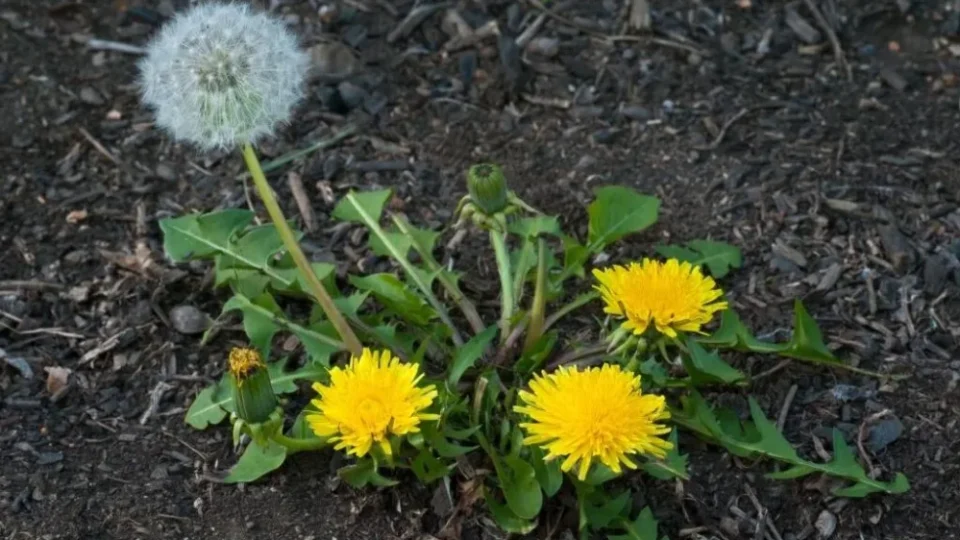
(253, 397)
(487, 188)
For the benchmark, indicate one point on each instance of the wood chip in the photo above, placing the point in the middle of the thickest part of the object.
(830, 277)
(897, 248)
(782, 249)
(295, 181)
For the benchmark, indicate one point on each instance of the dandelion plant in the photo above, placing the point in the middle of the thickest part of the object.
(443, 386)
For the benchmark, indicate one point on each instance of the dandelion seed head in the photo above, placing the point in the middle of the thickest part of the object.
(223, 75)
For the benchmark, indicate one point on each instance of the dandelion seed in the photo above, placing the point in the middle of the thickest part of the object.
(222, 75)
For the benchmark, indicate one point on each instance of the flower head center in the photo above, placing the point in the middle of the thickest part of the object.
(374, 415)
(242, 362)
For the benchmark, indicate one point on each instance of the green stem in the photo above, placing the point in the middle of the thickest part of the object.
(499, 242)
(566, 309)
(520, 279)
(583, 524)
(466, 306)
(294, 445)
(590, 352)
(535, 328)
(290, 242)
(408, 268)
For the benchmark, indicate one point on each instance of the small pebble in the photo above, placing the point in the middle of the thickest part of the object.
(333, 60)
(883, 433)
(351, 94)
(17, 363)
(635, 112)
(166, 171)
(90, 96)
(49, 458)
(826, 524)
(546, 47)
(189, 320)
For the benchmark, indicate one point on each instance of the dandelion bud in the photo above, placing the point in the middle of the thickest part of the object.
(222, 75)
(487, 188)
(253, 397)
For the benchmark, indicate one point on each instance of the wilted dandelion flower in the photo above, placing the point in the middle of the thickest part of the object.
(222, 75)
(598, 414)
(253, 396)
(672, 296)
(376, 395)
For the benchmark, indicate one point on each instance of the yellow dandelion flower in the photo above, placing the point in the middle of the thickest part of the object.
(596, 414)
(672, 296)
(374, 396)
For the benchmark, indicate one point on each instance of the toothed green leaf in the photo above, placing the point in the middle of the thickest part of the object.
(673, 465)
(718, 257)
(762, 438)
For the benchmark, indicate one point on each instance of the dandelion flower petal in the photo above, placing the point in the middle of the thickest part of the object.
(373, 397)
(670, 296)
(598, 414)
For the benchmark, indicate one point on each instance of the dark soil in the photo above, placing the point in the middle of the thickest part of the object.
(842, 192)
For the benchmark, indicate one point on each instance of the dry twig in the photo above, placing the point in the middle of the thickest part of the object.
(832, 36)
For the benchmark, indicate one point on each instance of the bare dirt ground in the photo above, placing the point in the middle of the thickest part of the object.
(834, 169)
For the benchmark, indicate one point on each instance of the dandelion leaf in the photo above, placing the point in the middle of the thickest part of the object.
(618, 211)
(673, 465)
(257, 461)
(642, 528)
(705, 367)
(361, 207)
(397, 297)
(762, 438)
(719, 257)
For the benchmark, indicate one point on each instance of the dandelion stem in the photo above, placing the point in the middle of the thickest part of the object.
(520, 279)
(408, 268)
(294, 445)
(466, 306)
(499, 241)
(565, 310)
(535, 328)
(290, 242)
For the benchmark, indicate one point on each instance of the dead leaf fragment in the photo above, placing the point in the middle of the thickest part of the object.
(58, 380)
(76, 216)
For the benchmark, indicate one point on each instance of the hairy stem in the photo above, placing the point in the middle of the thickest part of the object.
(499, 242)
(303, 265)
(535, 328)
(466, 306)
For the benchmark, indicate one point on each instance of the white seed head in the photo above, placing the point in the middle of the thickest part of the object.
(222, 75)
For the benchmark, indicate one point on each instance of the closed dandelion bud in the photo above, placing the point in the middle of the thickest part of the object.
(253, 397)
(487, 188)
(222, 75)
